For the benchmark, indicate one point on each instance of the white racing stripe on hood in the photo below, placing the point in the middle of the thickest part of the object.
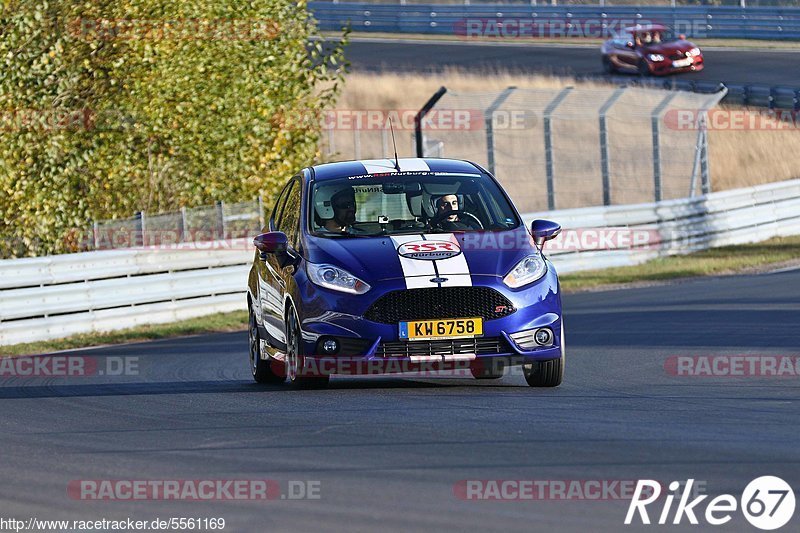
(455, 269)
(419, 272)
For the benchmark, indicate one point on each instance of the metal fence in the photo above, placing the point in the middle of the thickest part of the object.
(698, 21)
(565, 148)
(220, 221)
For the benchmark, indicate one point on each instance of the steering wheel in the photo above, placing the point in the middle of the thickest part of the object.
(438, 217)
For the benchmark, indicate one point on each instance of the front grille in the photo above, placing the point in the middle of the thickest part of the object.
(441, 302)
(477, 345)
(679, 55)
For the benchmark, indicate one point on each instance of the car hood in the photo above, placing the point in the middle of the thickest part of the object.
(669, 48)
(440, 255)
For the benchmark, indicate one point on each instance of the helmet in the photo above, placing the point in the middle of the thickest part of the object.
(323, 199)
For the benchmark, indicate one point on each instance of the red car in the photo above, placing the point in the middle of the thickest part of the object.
(650, 50)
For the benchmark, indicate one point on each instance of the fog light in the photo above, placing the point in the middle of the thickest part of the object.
(330, 346)
(531, 339)
(543, 336)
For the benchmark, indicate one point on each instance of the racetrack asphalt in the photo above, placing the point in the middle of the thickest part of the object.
(729, 66)
(388, 451)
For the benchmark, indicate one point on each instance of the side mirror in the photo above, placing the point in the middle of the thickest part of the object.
(272, 242)
(544, 230)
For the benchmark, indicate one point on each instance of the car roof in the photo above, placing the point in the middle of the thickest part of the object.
(364, 167)
(645, 27)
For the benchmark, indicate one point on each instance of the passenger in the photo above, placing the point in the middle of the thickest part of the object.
(344, 211)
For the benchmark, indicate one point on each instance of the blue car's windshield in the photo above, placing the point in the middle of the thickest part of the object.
(408, 202)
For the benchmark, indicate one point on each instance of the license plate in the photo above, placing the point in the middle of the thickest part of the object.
(421, 330)
(682, 62)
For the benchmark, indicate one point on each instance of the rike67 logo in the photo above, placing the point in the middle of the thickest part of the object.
(767, 502)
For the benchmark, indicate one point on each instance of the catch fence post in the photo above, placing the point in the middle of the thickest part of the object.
(548, 145)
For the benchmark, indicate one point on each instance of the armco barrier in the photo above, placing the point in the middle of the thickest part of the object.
(682, 226)
(443, 19)
(55, 296)
(50, 297)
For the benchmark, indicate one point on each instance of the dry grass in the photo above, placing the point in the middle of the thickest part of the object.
(736, 158)
(410, 91)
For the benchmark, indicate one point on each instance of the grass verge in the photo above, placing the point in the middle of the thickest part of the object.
(718, 261)
(220, 322)
(714, 262)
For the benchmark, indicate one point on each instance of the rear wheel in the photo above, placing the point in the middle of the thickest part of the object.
(295, 360)
(260, 368)
(547, 373)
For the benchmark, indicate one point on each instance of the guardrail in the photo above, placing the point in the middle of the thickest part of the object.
(680, 226)
(778, 23)
(55, 296)
(654, 3)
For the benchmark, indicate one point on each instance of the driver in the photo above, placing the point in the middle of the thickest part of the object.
(344, 211)
(449, 202)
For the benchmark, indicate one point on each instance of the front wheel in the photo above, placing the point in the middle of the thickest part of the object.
(608, 67)
(260, 368)
(296, 369)
(547, 373)
(644, 68)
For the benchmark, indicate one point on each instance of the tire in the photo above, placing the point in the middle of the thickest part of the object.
(260, 368)
(547, 373)
(295, 360)
(644, 68)
(608, 67)
(486, 369)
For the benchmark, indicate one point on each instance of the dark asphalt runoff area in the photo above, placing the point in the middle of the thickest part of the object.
(729, 66)
(393, 453)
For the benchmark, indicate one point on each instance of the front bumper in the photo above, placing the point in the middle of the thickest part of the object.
(662, 68)
(325, 313)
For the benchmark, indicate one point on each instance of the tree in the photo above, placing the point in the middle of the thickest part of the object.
(112, 106)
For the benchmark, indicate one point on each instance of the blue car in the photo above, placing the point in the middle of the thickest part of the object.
(401, 266)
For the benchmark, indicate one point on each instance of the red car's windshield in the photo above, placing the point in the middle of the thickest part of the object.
(651, 37)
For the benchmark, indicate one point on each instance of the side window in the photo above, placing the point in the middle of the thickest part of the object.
(290, 218)
(277, 211)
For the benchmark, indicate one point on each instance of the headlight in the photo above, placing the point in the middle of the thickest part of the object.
(526, 271)
(335, 278)
(656, 57)
(693, 52)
